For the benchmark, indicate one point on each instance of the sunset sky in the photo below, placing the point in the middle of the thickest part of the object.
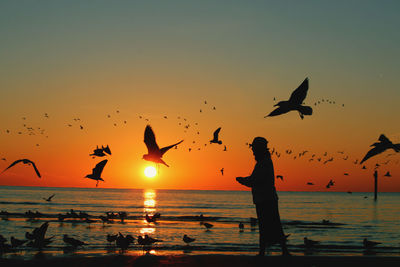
(90, 59)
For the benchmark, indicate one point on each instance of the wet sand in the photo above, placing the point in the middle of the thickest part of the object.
(207, 260)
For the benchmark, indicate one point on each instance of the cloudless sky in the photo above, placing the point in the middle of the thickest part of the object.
(88, 59)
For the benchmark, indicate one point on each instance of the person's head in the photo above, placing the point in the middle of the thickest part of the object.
(259, 147)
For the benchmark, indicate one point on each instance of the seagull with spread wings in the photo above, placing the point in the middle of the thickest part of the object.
(96, 172)
(294, 103)
(154, 153)
(379, 147)
(25, 161)
(215, 137)
(49, 198)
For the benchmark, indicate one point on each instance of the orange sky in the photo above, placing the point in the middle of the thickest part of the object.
(86, 61)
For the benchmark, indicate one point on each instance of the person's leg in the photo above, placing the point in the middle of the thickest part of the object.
(261, 228)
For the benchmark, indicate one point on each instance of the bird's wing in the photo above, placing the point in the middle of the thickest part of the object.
(50, 197)
(384, 139)
(300, 93)
(150, 140)
(36, 170)
(107, 150)
(216, 133)
(375, 151)
(99, 168)
(165, 149)
(277, 111)
(12, 164)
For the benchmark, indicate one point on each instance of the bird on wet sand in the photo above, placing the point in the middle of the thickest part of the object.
(188, 239)
(72, 241)
(154, 153)
(96, 172)
(294, 103)
(25, 161)
(208, 226)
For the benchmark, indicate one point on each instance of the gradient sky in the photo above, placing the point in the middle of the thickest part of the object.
(88, 59)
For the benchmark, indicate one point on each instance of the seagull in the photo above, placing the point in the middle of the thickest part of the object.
(72, 241)
(187, 239)
(215, 139)
(208, 225)
(309, 183)
(222, 171)
(294, 103)
(49, 198)
(241, 226)
(309, 242)
(370, 244)
(388, 174)
(96, 172)
(154, 153)
(331, 183)
(279, 177)
(25, 161)
(364, 168)
(224, 148)
(111, 238)
(106, 149)
(16, 242)
(380, 147)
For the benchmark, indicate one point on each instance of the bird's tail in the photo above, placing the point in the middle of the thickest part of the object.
(305, 110)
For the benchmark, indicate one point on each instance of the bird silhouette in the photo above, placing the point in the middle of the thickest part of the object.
(154, 153)
(25, 161)
(215, 138)
(222, 171)
(96, 172)
(208, 226)
(294, 103)
(72, 241)
(309, 183)
(388, 174)
(187, 239)
(279, 177)
(379, 147)
(16, 242)
(310, 243)
(370, 244)
(49, 198)
(106, 149)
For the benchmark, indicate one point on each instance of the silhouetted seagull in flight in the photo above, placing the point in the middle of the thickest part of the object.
(96, 172)
(279, 177)
(294, 103)
(388, 174)
(154, 153)
(215, 139)
(98, 152)
(380, 147)
(106, 149)
(25, 161)
(309, 183)
(49, 198)
(187, 239)
(222, 171)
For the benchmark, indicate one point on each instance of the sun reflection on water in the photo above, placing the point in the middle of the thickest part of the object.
(149, 207)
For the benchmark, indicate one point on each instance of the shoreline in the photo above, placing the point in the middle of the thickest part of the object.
(204, 260)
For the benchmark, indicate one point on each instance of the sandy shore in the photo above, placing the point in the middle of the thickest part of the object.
(207, 260)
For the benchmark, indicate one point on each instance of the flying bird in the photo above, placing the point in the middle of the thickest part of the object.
(379, 147)
(388, 174)
(25, 161)
(98, 152)
(49, 198)
(215, 139)
(279, 177)
(222, 171)
(106, 149)
(96, 172)
(294, 103)
(154, 153)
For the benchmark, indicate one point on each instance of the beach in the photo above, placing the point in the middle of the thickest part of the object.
(207, 260)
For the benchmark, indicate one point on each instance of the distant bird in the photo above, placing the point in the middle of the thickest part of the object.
(147, 241)
(150, 219)
(309, 183)
(72, 241)
(215, 139)
(309, 242)
(224, 148)
(370, 244)
(154, 153)
(222, 171)
(294, 103)
(96, 172)
(364, 168)
(16, 242)
(25, 161)
(331, 183)
(279, 177)
(106, 149)
(346, 174)
(241, 226)
(388, 174)
(379, 147)
(187, 239)
(49, 198)
(208, 225)
(111, 238)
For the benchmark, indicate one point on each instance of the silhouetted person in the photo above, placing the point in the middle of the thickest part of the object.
(262, 183)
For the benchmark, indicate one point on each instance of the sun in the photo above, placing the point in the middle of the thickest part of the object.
(150, 172)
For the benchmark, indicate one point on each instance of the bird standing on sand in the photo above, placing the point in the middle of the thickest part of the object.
(215, 137)
(154, 153)
(187, 239)
(294, 103)
(207, 225)
(370, 244)
(49, 198)
(72, 241)
(96, 172)
(379, 147)
(25, 161)
(310, 243)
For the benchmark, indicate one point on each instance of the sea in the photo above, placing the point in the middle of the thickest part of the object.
(339, 220)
